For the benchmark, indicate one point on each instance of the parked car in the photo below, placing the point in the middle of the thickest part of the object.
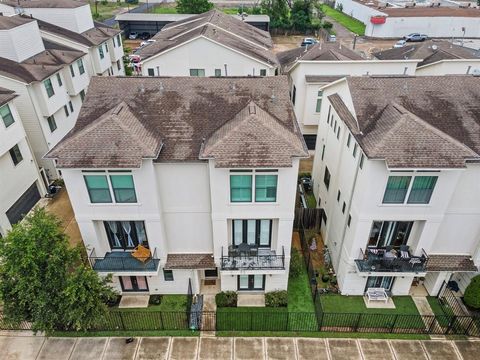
(145, 36)
(307, 183)
(309, 41)
(400, 44)
(133, 35)
(332, 38)
(149, 41)
(415, 37)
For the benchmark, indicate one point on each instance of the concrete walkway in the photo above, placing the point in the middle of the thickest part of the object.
(213, 348)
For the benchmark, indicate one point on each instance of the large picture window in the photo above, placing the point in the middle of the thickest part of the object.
(240, 188)
(252, 232)
(123, 188)
(126, 235)
(265, 188)
(418, 191)
(397, 187)
(98, 190)
(422, 189)
(120, 187)
(390, 233)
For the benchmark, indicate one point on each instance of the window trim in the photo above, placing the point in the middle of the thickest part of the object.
(257, 232)
(197, 71)
(81, 67)
(48, 81)
(252, 174)
(14, 157)
(51, 121)
(59, 79)
(10, 113)
(108, 174)
(170, 275)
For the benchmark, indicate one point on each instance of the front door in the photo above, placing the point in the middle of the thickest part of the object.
(251, 282)
(134, 283)
(385, 282)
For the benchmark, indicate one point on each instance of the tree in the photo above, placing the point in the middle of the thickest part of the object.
(193, 6)
(306, 15)
(278, 11)
(472, 293)
(45, 282)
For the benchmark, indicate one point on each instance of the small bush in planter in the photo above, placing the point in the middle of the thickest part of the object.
(325, 278)
(226, 299)
(276, 299)
(472, 293)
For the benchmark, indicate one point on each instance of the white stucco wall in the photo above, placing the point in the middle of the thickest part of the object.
(450, 67)
(202, 53)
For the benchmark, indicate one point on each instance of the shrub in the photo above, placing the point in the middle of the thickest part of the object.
(226, 299)
(104, 2)
(340, 7)
(276, 299)
(472, 293)
(155, 300)
(325, 278)
(296, 263)
(327, 25)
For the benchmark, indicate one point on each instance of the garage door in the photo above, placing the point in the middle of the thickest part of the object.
(24, 204)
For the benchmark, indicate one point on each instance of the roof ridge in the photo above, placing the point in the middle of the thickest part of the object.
(432, 128)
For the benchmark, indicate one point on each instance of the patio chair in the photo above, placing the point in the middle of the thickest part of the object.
(142, 254)
(405, 251)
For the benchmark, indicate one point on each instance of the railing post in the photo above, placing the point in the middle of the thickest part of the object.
(358, 321)
(121, 320)
(450, 324)
(393, 324)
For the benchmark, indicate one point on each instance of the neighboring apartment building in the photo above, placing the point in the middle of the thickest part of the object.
(49, 79)
(397, 173)
(70, 23)
(436, 57)
(209, 44)
(202, 172)
(20, 184)
(311, 68)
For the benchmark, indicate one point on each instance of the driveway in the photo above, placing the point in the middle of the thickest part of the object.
(213, 348)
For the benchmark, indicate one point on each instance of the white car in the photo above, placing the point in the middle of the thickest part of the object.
(133, 35)
(400, 44)
(146, 42)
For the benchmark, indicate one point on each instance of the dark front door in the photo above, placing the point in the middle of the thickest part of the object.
(23, 205)
(134, 283)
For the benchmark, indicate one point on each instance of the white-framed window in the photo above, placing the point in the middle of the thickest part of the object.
(249, 186)
(319, 101)
(110, 187)
(402, 189)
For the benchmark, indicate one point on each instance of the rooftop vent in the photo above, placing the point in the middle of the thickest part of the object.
(252, 109)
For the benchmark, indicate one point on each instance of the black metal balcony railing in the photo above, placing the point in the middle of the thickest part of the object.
(254, 259)
(123, 261)
(375, 260)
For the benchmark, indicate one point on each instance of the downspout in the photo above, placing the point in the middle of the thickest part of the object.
(349, 207)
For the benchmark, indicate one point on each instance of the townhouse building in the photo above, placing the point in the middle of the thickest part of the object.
(20, 182)
(436, 57)
(178, 179)
(70, 23)
(209, 44)
(311, 68)
(396, 173)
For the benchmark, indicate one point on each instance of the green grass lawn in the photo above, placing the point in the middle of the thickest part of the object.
(162, 10)
(350, 23)
(310, 199)
(322, 334)
(108, 10)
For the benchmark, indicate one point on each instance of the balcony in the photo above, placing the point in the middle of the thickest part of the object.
(120, 261)
(391, 261)
(252, 259)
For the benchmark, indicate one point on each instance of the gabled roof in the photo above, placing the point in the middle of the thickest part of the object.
(6, 96)
(91, 37)
(10, 22)
(41, 65)
(322, 51)
(415, 122)
(253, 138)
(218, 27)
(187, 118)
(429, 51)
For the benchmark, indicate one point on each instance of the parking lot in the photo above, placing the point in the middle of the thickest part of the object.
(213, 348)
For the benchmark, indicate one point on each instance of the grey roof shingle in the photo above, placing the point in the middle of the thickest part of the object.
(322, 51)
(10, 22)
(91, 37)
(451, 263)
(64, 4)
(190, 261)
(6, 96)
(41, 65)
(218, 27)
(415, 122)
(178, 116)
(429, 52)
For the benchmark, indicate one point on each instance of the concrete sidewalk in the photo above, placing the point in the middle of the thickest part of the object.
(215, 348)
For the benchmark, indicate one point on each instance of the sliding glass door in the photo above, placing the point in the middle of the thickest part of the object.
(385, 282)
(134, 283)
(252, 232)
(251, 282)
(390, 233)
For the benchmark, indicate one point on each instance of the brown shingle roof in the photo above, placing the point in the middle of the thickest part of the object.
(323, 78)
(415, 122)
(429, 52)
(9, 22)
(190, 261)
(451, 263)
(218, 27)
(322, 51)
(180, 114)
(6, 96)
(42, 65)
(92, 37)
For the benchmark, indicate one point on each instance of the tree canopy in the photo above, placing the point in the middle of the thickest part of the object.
(301, 15)
(193, 6)
(44, 281)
